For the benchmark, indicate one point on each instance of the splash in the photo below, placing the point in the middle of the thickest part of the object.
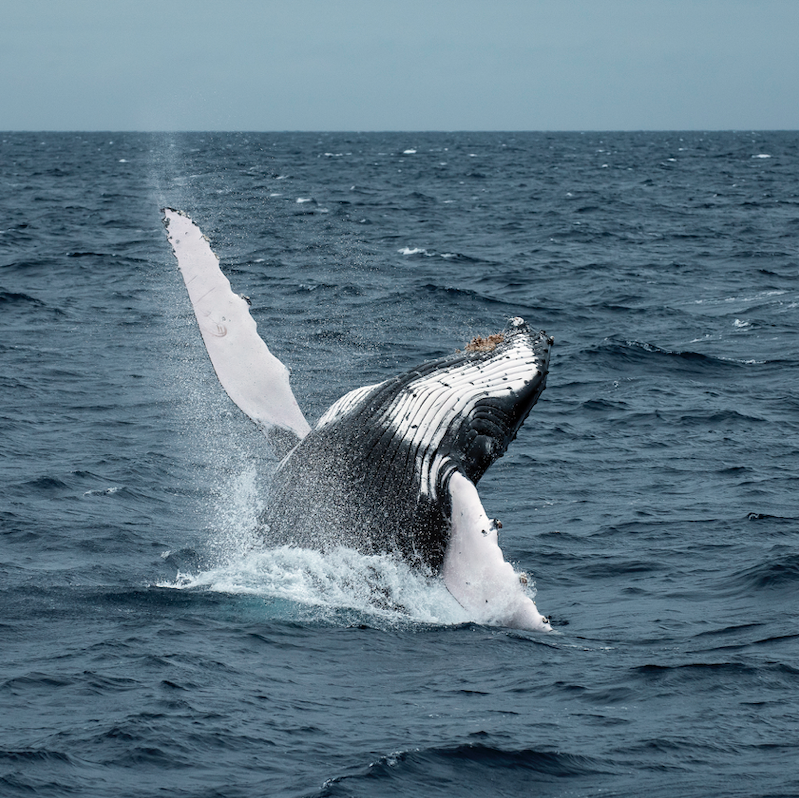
(307, 585)
(302, 584)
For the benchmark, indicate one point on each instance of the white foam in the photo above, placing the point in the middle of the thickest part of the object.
(319, 585)
(102, 492)
(412, 251)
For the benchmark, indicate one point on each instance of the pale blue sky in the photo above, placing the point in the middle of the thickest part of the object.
(411, 65)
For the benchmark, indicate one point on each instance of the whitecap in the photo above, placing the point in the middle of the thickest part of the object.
(102, 492)
(412, 251)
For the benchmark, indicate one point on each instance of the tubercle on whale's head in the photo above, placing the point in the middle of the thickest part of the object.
(515, 327)
(485, 344)
(517, 339)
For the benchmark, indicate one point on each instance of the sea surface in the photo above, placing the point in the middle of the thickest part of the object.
(150, 645)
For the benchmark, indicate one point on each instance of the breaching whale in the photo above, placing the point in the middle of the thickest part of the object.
(391, 467)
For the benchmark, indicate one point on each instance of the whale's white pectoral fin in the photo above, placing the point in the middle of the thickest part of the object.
(474, 569)
(250, 374)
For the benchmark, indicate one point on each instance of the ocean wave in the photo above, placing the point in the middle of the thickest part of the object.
(44, 484)
(34, 681)
(486, 769)
(15, 758)
(726, 676)
(625, 352)
(18, 298)
(450, 293)
(778, 573)
(753, 516)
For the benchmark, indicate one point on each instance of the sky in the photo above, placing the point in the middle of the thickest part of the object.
(363, 65)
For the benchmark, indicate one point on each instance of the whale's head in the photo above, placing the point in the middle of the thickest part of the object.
(501, 377)
(457, 413)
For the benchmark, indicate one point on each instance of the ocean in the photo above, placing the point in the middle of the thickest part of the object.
(151, 645)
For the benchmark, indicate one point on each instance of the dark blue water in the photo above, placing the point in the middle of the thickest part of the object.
(149, 647)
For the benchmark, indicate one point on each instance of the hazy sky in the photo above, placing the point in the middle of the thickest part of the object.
(409, 65)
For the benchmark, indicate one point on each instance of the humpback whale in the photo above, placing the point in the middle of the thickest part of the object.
(391, 467)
